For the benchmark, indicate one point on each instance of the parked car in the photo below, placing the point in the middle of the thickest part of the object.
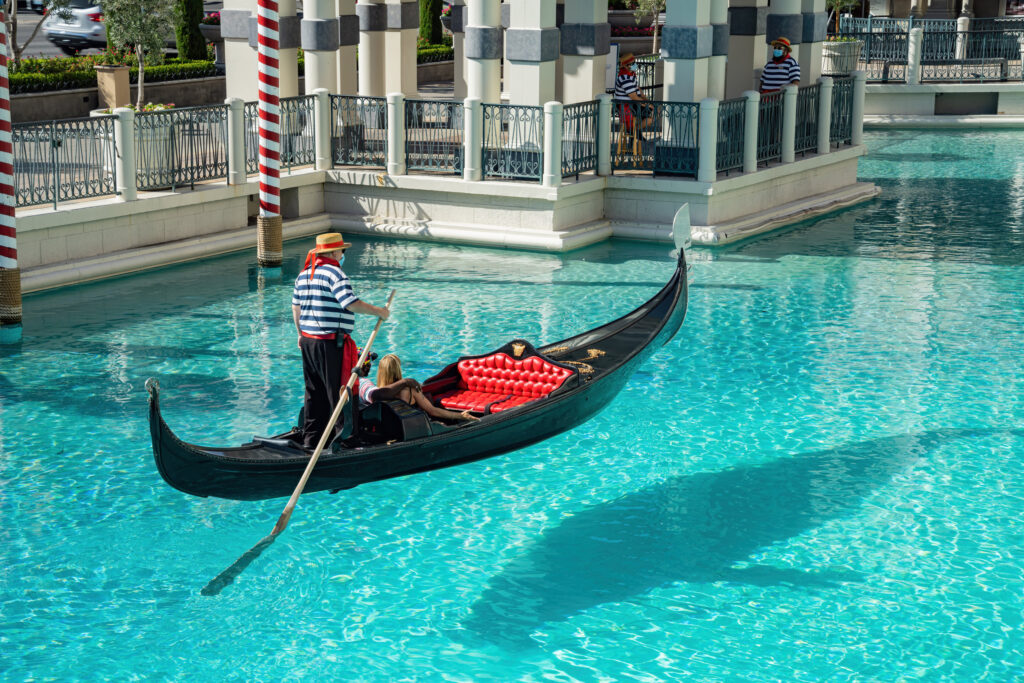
(83, 29)
(37, 6)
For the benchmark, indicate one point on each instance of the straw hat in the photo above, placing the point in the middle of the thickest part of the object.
(330, 241)
(627, 58)
(783, 43)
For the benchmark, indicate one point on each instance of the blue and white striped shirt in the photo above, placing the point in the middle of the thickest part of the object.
(324, 301)
(625, 84)
(776, 75)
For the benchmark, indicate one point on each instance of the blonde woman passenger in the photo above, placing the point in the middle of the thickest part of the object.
(392, 386)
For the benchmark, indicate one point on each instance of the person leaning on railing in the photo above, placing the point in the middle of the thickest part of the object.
(626, 91)
(781, 70)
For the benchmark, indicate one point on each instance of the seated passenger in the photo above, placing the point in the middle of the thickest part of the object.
(391, 386)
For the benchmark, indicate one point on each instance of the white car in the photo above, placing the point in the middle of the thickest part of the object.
(83, 29)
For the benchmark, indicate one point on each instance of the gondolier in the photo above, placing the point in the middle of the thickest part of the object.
(323, 305)
(782, 69)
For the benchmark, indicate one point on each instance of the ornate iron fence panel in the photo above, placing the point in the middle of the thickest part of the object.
(732, 117)
(647, 76)
(769, 128)
(806, 139)
(841, 128)
(513, 141)
(660, 137)
(939, 46)
(359, 130)
(63, 160)
(579, 138)
(298, 122)
(433, 136)
(251, 123)
(181, 146)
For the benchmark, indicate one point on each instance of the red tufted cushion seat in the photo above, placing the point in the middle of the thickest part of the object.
(499, 382)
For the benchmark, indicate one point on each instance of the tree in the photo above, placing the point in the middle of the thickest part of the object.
(10, 9)
(188, 15)
(430, 21)
(652, 9)
(838, 7)
(140, 25)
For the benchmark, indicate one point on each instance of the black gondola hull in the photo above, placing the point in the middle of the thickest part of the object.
(259, 471)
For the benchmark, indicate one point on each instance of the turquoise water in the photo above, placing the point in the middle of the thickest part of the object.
(820, 478)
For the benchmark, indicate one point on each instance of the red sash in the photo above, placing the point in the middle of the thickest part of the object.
(349, 357)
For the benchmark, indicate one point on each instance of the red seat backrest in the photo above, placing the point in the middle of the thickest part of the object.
(499, 373)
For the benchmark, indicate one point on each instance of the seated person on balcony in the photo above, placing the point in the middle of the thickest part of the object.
(781, 70)
(626, 91)
(391, 386)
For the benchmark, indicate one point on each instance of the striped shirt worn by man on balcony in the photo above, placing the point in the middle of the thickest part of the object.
(781, 70)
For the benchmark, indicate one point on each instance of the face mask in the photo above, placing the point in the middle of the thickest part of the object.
(777, 53)
(632, 68)
(341, 260)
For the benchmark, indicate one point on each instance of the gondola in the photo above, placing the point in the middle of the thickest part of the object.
(522, 394)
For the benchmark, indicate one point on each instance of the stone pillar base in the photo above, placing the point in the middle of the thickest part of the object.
(10, 305)
(269, 249)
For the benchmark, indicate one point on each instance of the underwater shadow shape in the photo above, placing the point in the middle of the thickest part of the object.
(692, 528)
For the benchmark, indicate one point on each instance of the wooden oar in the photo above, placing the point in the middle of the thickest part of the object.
(228, 575)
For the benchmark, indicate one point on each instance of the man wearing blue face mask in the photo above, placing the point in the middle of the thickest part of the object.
(781, 70)
(323, 305)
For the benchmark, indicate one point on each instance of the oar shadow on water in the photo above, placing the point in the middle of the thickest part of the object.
(693, 528)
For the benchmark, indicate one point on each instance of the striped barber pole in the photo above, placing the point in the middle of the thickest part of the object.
(8, 245)
(269, 108)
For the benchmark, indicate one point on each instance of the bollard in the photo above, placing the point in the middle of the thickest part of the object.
(825, 115)
(322, 129)
(753, 104)
(604, 134)
(857, 123)
(237, 174)
(473, 139)
(789, 99)
(124, 154)
(396, 134)
(553, 115)
(707, 148)
(914, 56)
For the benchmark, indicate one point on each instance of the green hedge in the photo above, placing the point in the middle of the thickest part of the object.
(43, 77)
(434, 53)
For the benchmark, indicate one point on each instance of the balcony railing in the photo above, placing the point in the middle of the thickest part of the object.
(433, 136)
(769, 128)
(177, 147)
(513, 141)
(806, 137)
(579, 138)
(732, 118)
(359, 127)
(841, 130)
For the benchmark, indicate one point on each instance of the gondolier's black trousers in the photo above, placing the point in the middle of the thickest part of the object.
(321, 368)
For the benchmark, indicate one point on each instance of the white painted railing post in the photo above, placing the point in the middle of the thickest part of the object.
(963, 26)
(750, 111)
(825, 114)
(472, 139)
(860, 80)
(236, 141)
(553, 114)
(604, 134)
(914, 44)
(322, 129)
(707, 147)
(789, 99)
(124, 146)
(396, 134)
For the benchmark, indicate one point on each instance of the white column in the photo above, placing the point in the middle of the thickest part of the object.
(236, 141)
(752, 105)
(914, 56)
(586, 42)
(531, 52)
(483, 50)
(322, 129)
(747, 21)
(707, 159)
(560, 59)
(319, 36)
(348, 42)
(719, 15)
(459, 46)
(288, 55)
(238, 27)
(824, 115)
(473, 139)
(963, 25)
(604, 134)
(789, 98)
(686, 46)
(785, 19)
(396, 133)
(815, 20)
(124, 144)
(860, 80)
(403, 20)
(553, 113)
(373, 21)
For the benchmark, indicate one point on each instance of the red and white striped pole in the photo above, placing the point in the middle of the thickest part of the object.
(10, 276)
(268, 223)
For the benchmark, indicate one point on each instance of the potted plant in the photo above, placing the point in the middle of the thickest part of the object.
(446, 18)
(140, 25)
(210, 28)
(839, 55)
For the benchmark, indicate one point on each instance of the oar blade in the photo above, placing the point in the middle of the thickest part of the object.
(227, 576)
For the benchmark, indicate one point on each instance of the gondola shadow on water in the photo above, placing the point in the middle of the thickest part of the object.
(693, 529)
